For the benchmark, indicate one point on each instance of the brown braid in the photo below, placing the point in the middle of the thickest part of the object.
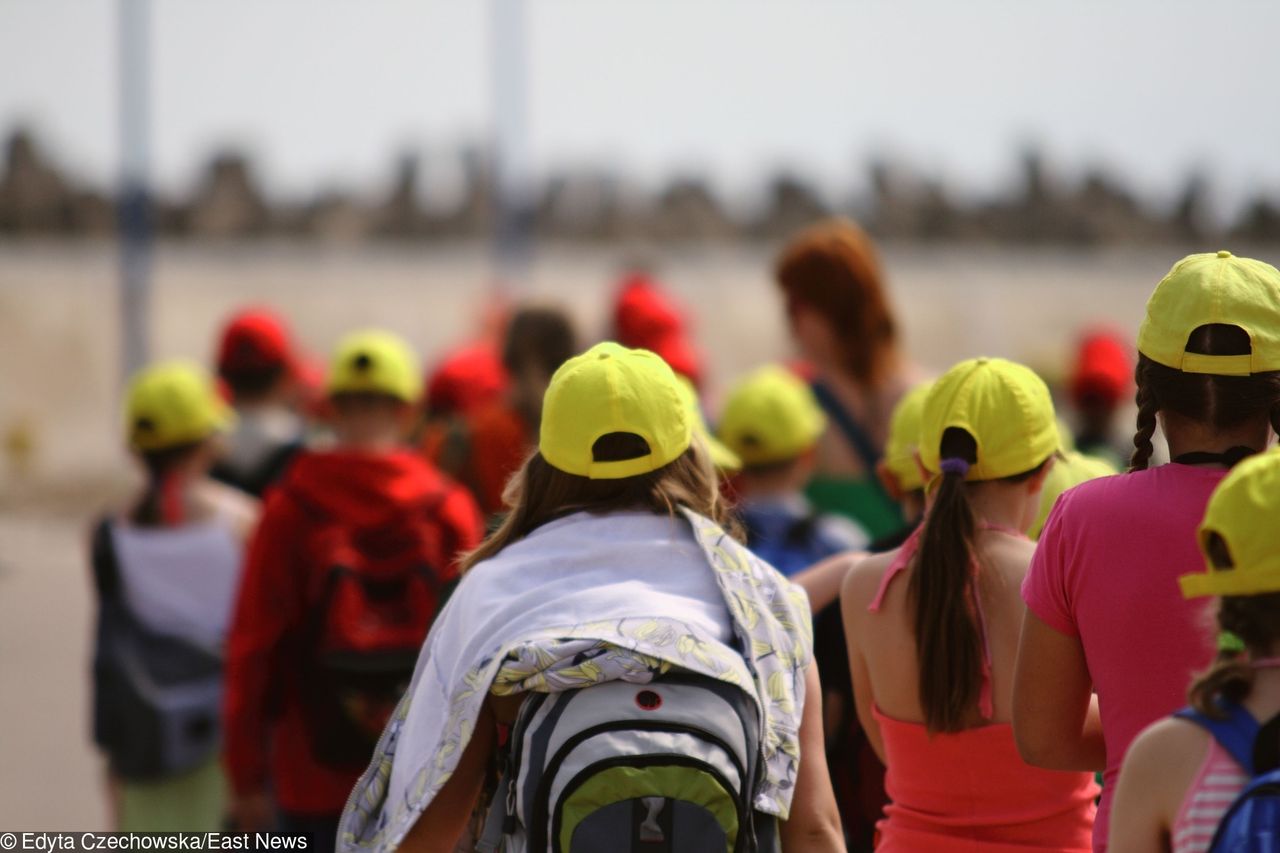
(1147, 408)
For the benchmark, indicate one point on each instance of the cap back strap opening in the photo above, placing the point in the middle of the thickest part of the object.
(620, 447)
(1233, 345)
(1218, 551)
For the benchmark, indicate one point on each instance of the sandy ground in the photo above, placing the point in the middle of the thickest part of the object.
(59, 383)
(50, 778)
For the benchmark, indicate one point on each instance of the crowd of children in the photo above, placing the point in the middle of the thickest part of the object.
(534, 602)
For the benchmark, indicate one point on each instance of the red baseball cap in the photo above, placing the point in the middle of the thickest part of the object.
(646, 318)
(254, 339)
(643, 313)
(466, 379)
(1103, 371)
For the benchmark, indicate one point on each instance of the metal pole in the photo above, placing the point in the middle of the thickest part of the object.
(134, 202)
(512, 186)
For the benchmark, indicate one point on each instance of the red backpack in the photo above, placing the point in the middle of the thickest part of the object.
(376, 592)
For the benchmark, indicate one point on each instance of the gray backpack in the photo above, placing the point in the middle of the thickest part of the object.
(156, 697)
(667, 767)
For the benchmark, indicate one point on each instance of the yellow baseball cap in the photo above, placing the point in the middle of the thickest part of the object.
(904, 438)
(771, 416)
(1068, 471)
(1214, 288)
(1243, 511)
(374, 362)
(610, 389)
(1005, 406)
(171, 404)
(721, 456)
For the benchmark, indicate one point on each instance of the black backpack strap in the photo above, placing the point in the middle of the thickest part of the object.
(1266, 748)
(272, 469)
(105, 563)
(269, 470)
(802, 530)
(113, 618)
(854, 432)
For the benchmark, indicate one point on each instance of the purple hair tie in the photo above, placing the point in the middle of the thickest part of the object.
(955, 465)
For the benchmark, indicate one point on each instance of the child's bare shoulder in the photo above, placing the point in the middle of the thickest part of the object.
(1166, 756)
(863, 579)
(1171, 733)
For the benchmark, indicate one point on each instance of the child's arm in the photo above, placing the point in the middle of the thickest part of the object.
(821, 581)
(814, 823)
(1055, 714)
(445, 819)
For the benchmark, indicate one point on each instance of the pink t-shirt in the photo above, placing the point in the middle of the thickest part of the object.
(1106, 570)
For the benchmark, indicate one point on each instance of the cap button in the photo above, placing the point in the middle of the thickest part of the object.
(1224, 254)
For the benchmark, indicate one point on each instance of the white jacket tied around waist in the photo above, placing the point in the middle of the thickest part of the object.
(583, 600)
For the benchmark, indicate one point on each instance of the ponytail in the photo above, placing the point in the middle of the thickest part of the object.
(148, 512)
(161, 504)
(1252, 620)
(943, 587)
(1230, 678)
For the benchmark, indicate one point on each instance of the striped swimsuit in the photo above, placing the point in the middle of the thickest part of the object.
(1215, 788)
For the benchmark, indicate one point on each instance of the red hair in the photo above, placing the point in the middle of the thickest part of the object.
(832, 267)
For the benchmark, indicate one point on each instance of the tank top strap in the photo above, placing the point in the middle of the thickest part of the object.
(905, 553)
(986, 700)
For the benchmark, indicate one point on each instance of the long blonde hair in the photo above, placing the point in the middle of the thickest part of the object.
(539, 492)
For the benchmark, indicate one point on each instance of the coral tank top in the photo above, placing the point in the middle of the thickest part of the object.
(970, 791)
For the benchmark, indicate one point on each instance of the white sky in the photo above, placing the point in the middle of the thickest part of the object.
(326, 92)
